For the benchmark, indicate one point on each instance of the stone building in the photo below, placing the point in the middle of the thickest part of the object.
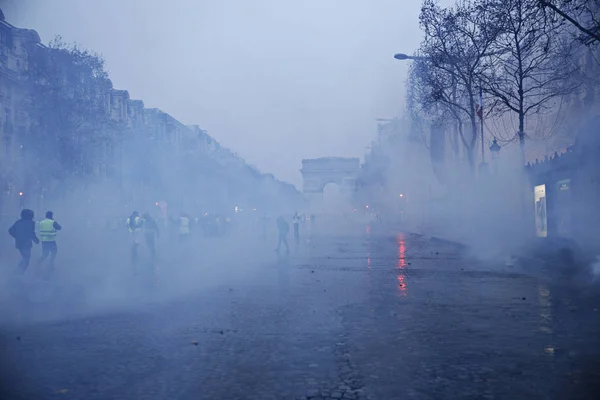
(15, 50)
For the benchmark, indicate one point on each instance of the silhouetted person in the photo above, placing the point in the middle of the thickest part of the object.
(297, 227)
(283, 228)
(135, 226)
(151, 232)
(48, 230)
(184, 228)
(23, 231)
(264, 220)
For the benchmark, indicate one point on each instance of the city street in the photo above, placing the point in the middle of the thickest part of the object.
(353, 313)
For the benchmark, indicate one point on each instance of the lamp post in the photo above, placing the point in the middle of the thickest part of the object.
(495, 149)
(402, 57)
(452, 63)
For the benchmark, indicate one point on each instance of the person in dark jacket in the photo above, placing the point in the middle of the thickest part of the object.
(151, 232)
(283, 228)
(24, 233)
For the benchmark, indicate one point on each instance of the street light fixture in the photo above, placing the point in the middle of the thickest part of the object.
(452, 62)
(402, 57)
(495, 148)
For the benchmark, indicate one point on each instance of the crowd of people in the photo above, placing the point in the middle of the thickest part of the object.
(142, 228)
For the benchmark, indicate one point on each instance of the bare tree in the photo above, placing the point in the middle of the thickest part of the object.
(583, 15)
(456, 43)
(530, 65)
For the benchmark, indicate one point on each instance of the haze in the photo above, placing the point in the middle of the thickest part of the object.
(275, 81)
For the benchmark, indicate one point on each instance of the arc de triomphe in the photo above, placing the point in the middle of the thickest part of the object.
(318, 172)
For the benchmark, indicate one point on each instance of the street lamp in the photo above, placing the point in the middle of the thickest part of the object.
(495, 149)
(402, 57)
(452, 62)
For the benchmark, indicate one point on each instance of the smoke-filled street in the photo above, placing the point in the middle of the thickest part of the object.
(310, 200)
(363, 314)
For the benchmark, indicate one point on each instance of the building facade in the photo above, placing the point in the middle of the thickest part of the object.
(565, 190)
(144, 154)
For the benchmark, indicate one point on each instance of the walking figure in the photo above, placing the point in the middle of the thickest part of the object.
(184, 228)
(23, 231)
(297, 228)
(283, 228)
(151, 232)
(135, 226)
(48, 231)
(264, 221)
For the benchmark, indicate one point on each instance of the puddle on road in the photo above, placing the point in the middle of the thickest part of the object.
(401, 251)
(545, 301)
(401, 284)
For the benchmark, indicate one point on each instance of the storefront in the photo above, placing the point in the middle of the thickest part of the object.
(540, 206)
(565, 190)
(551, 194)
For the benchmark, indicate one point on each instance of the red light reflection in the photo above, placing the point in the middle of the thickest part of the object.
(401, 251)
(401, 284)
(401, 263)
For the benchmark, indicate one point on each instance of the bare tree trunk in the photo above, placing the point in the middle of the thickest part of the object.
(522, 135)
(472, 143)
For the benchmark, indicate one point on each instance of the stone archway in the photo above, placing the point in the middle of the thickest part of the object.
(318, 172)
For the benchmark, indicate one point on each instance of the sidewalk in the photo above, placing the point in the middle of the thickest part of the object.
(558, 259)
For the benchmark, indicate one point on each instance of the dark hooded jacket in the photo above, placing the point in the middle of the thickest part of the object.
(24, 230)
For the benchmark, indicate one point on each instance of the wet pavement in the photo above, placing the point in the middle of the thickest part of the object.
(358, 315)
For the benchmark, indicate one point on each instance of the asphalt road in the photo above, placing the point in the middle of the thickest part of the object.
(353, 313)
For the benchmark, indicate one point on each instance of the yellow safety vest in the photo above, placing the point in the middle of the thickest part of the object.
(47, 231)
(184, 226)
(138, 224)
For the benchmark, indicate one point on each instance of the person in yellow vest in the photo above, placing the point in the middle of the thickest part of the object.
(48, 231)
(135, 224)
(184, 228)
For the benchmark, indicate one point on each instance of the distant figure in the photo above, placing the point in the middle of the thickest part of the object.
(184, 228)
(151, 232)
(23, 231)
(135, 225)
(264, 220)
(227, 227)
(283, 228)
(297, 228)
(48, 230)
(313, 221)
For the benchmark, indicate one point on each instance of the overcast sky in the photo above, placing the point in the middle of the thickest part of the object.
(274, 80)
